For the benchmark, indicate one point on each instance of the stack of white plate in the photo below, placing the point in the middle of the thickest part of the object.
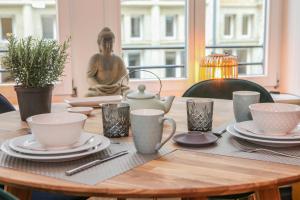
(26, 147)
(249, 131)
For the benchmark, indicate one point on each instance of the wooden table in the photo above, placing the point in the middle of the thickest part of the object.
(179, 174)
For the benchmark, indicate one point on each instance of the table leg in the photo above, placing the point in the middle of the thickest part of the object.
(296, 191)
(267, 194)
(21, 193)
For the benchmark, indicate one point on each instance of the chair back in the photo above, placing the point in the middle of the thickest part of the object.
(223, 89)
(5, 105)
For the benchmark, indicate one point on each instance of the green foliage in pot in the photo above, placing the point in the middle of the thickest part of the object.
(35, 63)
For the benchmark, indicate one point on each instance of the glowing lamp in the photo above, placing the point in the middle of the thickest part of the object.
(218, 66)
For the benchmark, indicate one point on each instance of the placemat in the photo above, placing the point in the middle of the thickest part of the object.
(226, 145)
(90, 176)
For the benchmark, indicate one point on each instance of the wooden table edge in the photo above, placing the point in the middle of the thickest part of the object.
(96, 190)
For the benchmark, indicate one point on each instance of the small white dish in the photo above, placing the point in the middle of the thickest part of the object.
(28, 145)
(264, 142)
(275, 118)
(82, 110)
(56, 158)
(54, 130)
(93, 101)
(249, 128)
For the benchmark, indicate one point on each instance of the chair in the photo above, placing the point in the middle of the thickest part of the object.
(5, 105)
(6, 196)
(223, 88)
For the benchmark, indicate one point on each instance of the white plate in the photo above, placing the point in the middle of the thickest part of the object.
(93, 101)
(17, 142)
(264, 142)
(82, 110)
(243, 127)
(55, 158)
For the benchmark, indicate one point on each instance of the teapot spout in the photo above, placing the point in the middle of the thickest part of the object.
(168, 103)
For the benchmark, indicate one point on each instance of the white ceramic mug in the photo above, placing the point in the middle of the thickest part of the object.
(147, 129)
(241, 102)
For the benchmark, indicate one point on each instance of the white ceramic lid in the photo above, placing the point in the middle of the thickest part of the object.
(140, 94)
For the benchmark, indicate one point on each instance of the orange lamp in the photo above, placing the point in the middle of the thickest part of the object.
(218, 66)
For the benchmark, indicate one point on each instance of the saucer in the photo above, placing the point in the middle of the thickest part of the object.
(195, 139)
(249, 128)
(27, 145)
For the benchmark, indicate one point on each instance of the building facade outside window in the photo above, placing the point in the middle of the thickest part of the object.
(136, 26)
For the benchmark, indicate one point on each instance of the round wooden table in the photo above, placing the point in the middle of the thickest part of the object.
(181, 173)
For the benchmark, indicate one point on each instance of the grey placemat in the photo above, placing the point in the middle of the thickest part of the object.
(226, 146)
(90, 176)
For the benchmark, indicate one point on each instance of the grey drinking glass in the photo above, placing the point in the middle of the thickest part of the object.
(199, 115)
(115, 119)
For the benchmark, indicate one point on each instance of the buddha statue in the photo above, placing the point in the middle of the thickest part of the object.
(106, 70)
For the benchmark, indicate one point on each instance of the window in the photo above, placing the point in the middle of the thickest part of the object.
(155, 22)
(229, 22)
(134, 60)
(247, 25)
(136, 27)
(236, 25)
(170, 26)
(242, 58)
(170, 60)
(6, 27)
(25, 18)
(49, 27)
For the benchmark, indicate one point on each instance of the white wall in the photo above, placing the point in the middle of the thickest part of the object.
(290, 65)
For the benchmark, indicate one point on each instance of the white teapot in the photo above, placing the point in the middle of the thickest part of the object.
(143, 100)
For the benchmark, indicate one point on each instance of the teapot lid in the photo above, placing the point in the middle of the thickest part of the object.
(140, 94)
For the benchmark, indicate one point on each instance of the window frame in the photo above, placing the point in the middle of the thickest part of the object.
(174, 36)
(54, 26)
(232, 27)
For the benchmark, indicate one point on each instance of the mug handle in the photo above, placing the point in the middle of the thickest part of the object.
(173, 124)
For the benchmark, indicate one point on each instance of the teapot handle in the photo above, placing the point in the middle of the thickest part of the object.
(138, 70)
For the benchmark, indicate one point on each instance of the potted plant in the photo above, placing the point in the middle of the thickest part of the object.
(35, 64)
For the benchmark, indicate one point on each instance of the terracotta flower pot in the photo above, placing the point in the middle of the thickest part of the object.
(33, 101)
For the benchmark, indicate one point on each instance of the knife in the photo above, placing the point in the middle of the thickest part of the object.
(94, 163)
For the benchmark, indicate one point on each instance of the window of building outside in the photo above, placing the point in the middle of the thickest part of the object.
(160, 20)
(247, 25)
(230, 14)
(25, 18)
(6, 27)
(49, 27)
(136, 26)
(134, 60)
(170, 26)
(229, 23)
(170, 59)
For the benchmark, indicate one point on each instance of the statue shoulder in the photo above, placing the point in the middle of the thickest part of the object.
(95, 58)
(119, 59)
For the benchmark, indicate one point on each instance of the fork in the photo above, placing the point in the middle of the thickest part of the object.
(252, 150)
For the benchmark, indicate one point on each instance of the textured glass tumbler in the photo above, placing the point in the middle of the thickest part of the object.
(199, 115)
(115, 119)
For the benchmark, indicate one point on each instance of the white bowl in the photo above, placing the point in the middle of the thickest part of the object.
(82, 110)
(275, 118)
(54, 130)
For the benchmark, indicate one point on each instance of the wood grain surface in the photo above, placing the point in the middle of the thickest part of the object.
(178, 174)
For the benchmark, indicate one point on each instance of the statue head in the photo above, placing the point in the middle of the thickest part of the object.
(105, 41)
